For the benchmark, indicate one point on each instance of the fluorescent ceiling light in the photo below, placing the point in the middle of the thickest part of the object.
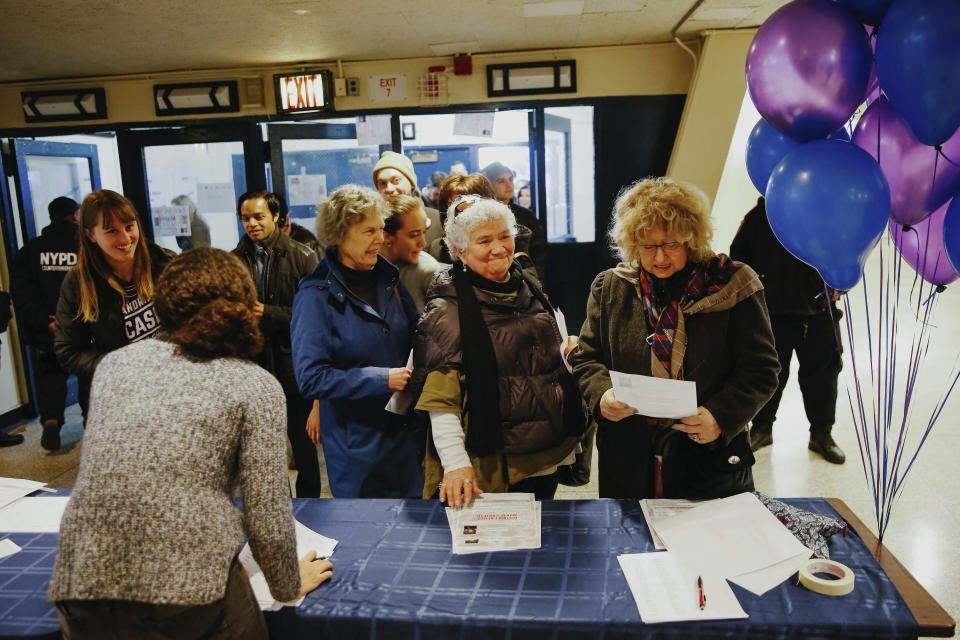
(724, 13)
(550, 9)
(450, 48)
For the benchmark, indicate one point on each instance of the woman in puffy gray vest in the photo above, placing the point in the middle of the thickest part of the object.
(504, 411)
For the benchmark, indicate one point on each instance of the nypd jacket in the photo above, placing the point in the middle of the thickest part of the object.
(36, 275)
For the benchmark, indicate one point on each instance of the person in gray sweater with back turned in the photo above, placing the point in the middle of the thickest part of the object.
(149, 540)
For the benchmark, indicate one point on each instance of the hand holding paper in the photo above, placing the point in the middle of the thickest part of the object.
(656, 397)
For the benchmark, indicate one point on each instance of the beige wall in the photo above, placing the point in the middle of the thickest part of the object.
(601, 71)
(710, 114)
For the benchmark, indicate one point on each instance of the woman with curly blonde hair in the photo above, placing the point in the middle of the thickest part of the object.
(674, 309)
(351, 332)
(177, 422)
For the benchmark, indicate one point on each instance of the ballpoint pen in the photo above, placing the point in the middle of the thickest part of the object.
(703, 598)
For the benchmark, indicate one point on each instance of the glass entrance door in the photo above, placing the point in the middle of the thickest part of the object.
(44, 170)
(309, 160)
(48, 170)
(190, 180)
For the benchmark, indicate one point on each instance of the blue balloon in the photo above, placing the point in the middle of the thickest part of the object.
(840, 134)
(766, 147)
(867, 11)
(917, 61)
(951, 233)
(828, 204)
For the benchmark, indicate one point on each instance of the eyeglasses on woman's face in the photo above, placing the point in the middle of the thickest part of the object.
(668, 247)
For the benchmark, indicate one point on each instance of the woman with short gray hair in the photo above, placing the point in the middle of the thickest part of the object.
(504, 411)
(351, 331)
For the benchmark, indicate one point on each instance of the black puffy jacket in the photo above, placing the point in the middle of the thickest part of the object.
(539, 401)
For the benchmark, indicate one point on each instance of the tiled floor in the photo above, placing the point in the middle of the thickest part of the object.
(923, 529)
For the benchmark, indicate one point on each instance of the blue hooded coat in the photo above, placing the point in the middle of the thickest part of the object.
(342, 353)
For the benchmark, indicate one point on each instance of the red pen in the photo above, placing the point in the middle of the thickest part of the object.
(703, 598)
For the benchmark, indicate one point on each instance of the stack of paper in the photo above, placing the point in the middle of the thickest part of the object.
(307, 540)
(656, 510)
(666, 590)
(737, 538)
(496, 522)
(733, 538)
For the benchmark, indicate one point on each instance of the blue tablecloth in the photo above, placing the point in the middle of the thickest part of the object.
(394, 578)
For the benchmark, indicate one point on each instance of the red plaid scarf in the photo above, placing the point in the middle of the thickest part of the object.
(706, 279)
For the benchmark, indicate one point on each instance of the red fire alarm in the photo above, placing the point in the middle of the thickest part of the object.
(462, 65)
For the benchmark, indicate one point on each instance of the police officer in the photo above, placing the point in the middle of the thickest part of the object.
(38, 271)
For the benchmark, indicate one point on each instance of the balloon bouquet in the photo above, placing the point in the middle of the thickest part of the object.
(830, 195)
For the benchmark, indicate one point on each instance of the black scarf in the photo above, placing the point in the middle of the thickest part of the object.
(485, 435)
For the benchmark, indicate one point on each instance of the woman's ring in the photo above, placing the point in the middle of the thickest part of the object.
(440, 486)
(467, 481)
(695, 437)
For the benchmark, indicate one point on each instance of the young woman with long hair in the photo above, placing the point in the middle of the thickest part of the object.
(106, 300)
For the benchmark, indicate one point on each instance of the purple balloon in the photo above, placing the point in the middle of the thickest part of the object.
(919, 180)
(873, 84)
(807, 68)
(922, 246)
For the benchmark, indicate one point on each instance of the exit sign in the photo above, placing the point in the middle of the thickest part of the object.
(303, 92)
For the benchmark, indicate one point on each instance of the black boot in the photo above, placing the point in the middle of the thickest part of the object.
(761, 435)
(822, 442)
(50, 440)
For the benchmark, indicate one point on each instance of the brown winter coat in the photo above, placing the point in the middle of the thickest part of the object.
(729, 353)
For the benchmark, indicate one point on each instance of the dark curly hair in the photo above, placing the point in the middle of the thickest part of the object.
(205, 301)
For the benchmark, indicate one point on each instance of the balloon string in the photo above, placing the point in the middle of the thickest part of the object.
(936, 161)
(828, 299)
(940, 152)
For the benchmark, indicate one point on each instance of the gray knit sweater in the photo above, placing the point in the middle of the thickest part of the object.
(151, 518)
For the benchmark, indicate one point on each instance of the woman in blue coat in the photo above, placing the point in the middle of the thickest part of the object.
(351, 335)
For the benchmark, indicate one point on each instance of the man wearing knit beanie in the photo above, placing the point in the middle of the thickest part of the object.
(501, 177)
(393, 174)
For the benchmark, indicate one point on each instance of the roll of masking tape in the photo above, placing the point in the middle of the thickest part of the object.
(840, 585)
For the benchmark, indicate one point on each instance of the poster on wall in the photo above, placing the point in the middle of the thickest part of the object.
(373, 130)
(215, 196)
(473, 124)
(172, 220)
(306, 189)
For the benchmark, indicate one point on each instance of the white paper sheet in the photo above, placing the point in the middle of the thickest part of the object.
(731, 537)
(400, 401)
(307, 540)
(562, 325)
(15, 488)
(666, 590)
(656, 397)
(762, 580)
(8, 547)
(33, 515)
